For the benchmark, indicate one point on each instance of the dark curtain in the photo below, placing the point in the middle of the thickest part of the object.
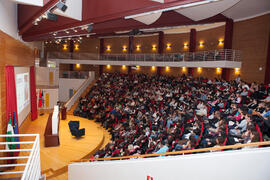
(33, 93)
(11, 109)
(11, 94)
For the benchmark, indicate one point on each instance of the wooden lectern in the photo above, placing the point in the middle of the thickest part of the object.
(51, 139)
(64, 113)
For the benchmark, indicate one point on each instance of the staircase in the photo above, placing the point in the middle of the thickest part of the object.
(73, 107)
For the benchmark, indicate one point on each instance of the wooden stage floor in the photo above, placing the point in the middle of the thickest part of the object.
(70, 148)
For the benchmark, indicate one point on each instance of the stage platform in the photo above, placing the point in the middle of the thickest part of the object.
(54, 160)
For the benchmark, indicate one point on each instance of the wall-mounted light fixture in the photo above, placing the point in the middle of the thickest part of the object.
(184, 69)
(108, 48)
(154, 47)
(199, 69)
(201, 44)
(78, 66)
(220, 42)
(138, 47)
(185, 45)
(138, 67)
(236, 71)
(167, 68)
(124, 67)
(108, 66)
(168, 46)
(153, 68)
(218, 70)
(124, 48)
(65, 46)
(76, 47)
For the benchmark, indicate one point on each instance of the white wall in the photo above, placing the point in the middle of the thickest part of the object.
(66, 84)
(8, 18)
(79, 92)
(53, 98)
(43, 74)
(252, 164)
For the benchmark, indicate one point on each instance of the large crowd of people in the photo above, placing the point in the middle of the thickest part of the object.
(155, 114)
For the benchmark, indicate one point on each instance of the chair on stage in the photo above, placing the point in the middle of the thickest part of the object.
(74, 129)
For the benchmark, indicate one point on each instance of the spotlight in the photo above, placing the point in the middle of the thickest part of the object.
(44, 16)
(38, 19)
(60, 5)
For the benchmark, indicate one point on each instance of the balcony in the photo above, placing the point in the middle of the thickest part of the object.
(225, 58)
(26, 164)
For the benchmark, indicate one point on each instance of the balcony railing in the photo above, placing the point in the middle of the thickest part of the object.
(214, 55)
(75, 74)
(28, 159)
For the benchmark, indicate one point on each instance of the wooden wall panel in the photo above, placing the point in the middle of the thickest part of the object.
(210, 73)
(210, 38)
(171, 71)
(12, 52)
(177, 42)
(83, 67)
(145, 70)
(90, 45)
(116, 45)
(112, 69)
(146, 43)
(52, 47)
(250, 37)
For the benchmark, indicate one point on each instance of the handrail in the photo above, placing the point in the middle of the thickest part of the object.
(32, 166)
(211, 55)
(236, 146)
(79, 92)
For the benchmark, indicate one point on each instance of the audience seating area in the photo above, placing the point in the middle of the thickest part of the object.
(155, 114)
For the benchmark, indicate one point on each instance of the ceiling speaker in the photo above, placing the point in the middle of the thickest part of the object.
(60, 5)
(51, 16)
(89, 28)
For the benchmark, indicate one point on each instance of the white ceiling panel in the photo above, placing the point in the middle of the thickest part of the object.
(148, 19)
(201, 12)
(248, 8)
(29, 2)
(74, 10)
(160, 1)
